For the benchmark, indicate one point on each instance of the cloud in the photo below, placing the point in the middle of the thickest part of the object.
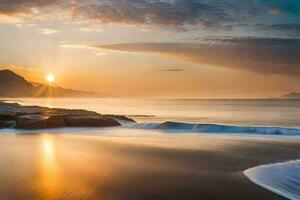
(83, 47)
(275, 11)
(77, 46)
(16, 7)
(171, 70)
(176, 14)
(292, 29)
(101, 53)
(28, 11)
(47, 31)
(170, 13)
(183, 14)
(284, 6)
(259, 55)
(91, 29)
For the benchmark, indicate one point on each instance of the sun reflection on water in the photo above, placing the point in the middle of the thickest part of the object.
(48, 148)
(48, 168)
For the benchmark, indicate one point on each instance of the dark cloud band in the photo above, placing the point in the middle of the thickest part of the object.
(259, 55)
(178, 14)
(13, 7)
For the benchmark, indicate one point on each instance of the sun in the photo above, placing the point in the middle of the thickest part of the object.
(50, 78)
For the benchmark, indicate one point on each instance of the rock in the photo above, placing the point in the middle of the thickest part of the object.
(7, 117)
(35, 117)
(292, 95)
(56, 122)
(31, 122)
(7, 124)
(120, 117)
(7, 120)
(90, 121)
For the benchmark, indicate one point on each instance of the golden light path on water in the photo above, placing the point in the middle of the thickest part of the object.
(48, 169)
(65, 173)
(76, 167)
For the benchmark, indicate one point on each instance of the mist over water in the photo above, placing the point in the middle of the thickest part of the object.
(282, 113)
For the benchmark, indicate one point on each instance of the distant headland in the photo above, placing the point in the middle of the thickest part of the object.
(13, 86)
(292, 95)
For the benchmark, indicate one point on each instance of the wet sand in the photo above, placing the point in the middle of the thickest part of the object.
(114, 167)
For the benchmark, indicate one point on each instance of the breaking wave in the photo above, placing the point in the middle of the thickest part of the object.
(215, 128)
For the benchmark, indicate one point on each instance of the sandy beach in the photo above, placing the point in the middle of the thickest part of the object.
(130, 166)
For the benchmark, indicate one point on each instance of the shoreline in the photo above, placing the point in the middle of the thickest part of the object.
(281, 178)
(130, 164)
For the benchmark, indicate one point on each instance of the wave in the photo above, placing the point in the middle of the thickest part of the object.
(216, 128)
(280, 178)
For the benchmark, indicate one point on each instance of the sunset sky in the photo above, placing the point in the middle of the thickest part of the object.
(156, 48)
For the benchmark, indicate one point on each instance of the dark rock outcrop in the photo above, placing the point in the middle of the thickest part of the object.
(33, 117)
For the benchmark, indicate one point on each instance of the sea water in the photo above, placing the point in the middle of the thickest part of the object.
(275, 113)
(246, 117)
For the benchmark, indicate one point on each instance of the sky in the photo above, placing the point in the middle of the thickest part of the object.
(156, 48)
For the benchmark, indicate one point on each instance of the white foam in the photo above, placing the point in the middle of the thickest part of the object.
(280, 178)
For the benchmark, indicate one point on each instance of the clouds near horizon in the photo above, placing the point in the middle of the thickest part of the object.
(258, 55)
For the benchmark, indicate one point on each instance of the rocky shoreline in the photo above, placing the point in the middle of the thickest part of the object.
(13, 115)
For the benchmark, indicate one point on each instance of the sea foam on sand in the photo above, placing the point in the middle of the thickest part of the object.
(280, 178)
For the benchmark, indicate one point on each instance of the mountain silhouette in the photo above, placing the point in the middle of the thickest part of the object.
(292, 95)
(14, 85)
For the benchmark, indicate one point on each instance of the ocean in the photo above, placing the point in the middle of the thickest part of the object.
(278, 113)
(255, 118)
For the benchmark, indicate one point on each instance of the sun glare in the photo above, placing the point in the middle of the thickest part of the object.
(50, 78)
